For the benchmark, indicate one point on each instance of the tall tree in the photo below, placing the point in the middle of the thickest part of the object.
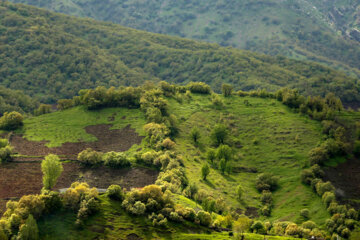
(52, 169)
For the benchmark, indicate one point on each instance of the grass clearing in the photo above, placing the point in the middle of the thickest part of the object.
(69, 125)
(272, 138)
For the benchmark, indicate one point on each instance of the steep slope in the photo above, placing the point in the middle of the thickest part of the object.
(323, 31)
(53, 56)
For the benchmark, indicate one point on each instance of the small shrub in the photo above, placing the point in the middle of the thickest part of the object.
(3, 142)
(224, 152)
(305, 213)
(43, 109)
(90, 157)
(11, 121)
(327, 198)
(217, 101)
(204, 218)
(205, 170)
(227, 89)
(258, 227)
(266, 197)
(322, 187)
(199, 87)
(168, 144)
(211, 155)
(63, 104)
(219, 134)
(266, 181)
(5, 154)
(318, 155)
(239, 192)
(29, 230)
(309, 225)
(138, 208)
(115, 192)
(115, 160)
(195, 134)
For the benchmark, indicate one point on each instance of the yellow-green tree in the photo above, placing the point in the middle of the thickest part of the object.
(52, 169)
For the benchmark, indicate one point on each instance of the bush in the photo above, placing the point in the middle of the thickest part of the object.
(258, 227)
(219, 134)
(3, 142)
(217, 101)
(5, 154)
(222, 165)
(43, 109)
(90, 157)
(29, 230)
(309, 225)
(305, 213)
(266, 197)
(205, 170)
(265, 211)
(224, 152)
(318, 155)
(328, 197)
(51, 200)
(199, 87)
(293, 230)
(63, 104)
(211, 155)
(227, 89)
(115, 192)
(239, 192)
(138, 208)
(168, 144)
(266, 181)
(33, 204)
(11, 121)
(115, 160)
(322, 187)
(195, 134)
(204, 218)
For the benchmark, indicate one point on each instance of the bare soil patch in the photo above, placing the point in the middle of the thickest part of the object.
(108, 140)
(346, 179)
(18, 179)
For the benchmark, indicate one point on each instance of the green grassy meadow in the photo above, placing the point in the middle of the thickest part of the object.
(69, 126)
(272, 139)
(269, 137)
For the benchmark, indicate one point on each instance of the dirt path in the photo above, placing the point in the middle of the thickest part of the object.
(108, 140)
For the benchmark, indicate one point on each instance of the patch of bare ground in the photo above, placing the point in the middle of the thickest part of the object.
(108, 140)
(18, 179)
(346, 179)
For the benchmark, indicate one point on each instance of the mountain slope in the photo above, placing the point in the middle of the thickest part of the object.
(53, 56)
(324, 31)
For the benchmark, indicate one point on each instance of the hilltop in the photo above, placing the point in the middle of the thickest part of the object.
(269, 157)
(53, 56)
(327, 31)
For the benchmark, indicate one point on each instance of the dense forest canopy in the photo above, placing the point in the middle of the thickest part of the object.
(53, 56)
(325, 31)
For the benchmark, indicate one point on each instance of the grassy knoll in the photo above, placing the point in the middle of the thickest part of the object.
(69, 125)
(265, 135)
(272, 139)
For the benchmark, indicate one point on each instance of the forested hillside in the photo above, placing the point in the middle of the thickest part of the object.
(53, 56)
(323, 31)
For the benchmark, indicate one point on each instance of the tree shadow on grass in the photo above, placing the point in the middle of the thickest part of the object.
(207, 182)
(228, 178)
